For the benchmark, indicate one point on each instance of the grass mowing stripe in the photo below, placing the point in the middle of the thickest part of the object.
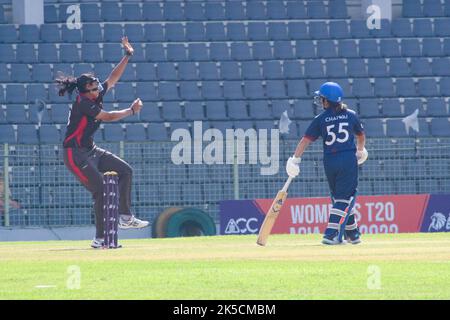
(410, 266)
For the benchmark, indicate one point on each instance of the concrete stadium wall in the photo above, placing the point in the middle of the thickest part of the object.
(28, 11)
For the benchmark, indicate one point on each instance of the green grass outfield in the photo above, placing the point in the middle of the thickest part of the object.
(402, 266)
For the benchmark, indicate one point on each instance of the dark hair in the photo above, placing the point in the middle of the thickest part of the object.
(69, 83)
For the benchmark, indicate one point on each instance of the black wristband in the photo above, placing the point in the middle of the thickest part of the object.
(128, 53)
(132, 110)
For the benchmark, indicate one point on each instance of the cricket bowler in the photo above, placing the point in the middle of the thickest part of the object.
(82, 157)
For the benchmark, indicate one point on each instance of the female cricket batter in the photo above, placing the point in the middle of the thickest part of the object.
(337, 125)
(83, 158)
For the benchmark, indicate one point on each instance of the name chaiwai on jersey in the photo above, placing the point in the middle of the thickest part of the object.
(340, 117)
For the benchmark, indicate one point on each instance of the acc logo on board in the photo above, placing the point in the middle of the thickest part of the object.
(241, 226)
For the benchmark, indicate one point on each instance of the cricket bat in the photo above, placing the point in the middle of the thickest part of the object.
(272, 214)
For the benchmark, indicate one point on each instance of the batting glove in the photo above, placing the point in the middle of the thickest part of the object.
(292, 166)
(362, 156)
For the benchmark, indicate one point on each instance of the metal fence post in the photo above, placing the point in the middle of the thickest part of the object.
(121, 149)
(6, 185)
(235, 171)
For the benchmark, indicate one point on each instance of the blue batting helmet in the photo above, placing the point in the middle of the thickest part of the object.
(330, 91)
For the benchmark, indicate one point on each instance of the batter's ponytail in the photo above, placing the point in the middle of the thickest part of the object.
(65, 84)
(343, 106)
(338, 106)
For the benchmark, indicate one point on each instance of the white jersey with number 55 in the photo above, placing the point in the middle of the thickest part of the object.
(337, 129)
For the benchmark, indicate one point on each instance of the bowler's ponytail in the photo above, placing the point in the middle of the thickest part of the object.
(69, 83)
(65, 84)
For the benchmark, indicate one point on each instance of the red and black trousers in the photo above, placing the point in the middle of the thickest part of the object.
(88, 165)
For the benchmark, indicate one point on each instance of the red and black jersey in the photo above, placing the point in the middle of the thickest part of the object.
(82, 123)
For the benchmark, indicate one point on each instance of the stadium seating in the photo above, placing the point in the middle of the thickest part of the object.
(440, 28)
(189, 91)
(411, 105)
(49, 134)
(27, 134)
(368, 108)
(194, 111)
(113, 133)
(440, 127)
(172, 111)
(90, 12)
(216, 110)
(420, 67)
(237, 109)
(401, 28)
(135, 132)
(384, 87)
(36, 92)
(187, 71)
(399, 67)
(377, 68)
(250, 70)
(374, 128)
(406, 87)
(391, 108)
(150, 114)
(389, 48)
(231, 63)
(436, 107)
(7, 134)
